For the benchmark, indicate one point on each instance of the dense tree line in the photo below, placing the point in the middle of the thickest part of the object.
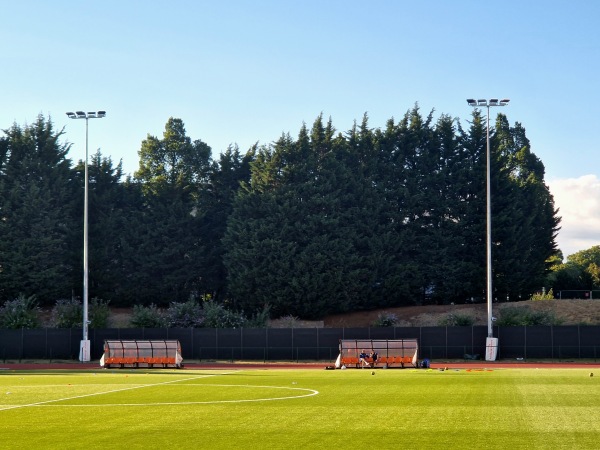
(580, 272)
(325, 222)
(384, 217)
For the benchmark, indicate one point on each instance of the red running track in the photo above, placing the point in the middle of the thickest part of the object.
(311, 365)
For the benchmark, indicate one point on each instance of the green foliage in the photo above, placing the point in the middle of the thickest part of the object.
(21, 312)
(388, 217)
(37, 204)
(173, 164)
(385, 319)
(259, 319)
(580, 272)
(184, 315)
(321, 223)
(457, 320)
(98, 313)
(164, 244)
(67, 313)
(543, 296)
(111, 200)
(191, 314)
(523, 316)
(147, 317)
(216, 316)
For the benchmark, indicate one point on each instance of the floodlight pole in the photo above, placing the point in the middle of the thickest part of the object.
(487, 104)
(84, 349)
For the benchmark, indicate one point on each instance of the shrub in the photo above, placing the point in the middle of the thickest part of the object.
(260, 319)
(98, 313)
(458, 320)
(523, 316)
(22, 312)
(216, 316)
(543, 296)
(512, 316)
(386, 319)
(67, 313)
(147, 317)
(542, 318)
(184, 315)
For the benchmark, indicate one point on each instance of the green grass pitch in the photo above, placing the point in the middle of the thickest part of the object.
(300, 409)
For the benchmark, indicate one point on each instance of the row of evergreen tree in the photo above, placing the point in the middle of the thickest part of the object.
(323, 223)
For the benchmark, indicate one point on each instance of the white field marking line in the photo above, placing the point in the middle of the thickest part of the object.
(129, 388)
(311, 393)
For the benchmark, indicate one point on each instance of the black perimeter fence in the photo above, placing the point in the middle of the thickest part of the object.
(312, 344)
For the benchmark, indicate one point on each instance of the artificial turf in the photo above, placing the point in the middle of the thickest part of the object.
(300, 409)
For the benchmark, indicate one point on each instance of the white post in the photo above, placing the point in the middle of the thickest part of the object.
(84, 348)
(491, 343)
(488, 231)
(84, 354)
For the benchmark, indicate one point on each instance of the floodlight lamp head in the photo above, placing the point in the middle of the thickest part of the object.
(71, 115)
(471, 102)
(101, 113)
(504, 101)
(81, 115)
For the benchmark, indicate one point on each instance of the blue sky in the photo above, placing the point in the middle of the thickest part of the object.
(247, 71)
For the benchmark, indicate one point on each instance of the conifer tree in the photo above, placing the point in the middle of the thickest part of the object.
(36, 208)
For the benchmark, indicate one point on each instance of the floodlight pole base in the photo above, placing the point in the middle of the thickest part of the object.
(491, 348)
(84, 351)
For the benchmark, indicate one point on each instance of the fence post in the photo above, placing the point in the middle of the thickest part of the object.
(552, 340)
(192, 340)
(318, 346)
(525, 343)
(579, 341)
(22, 343)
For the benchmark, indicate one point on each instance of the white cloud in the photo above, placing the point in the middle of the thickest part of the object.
(579, 203)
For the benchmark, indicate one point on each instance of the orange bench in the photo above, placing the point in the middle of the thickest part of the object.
(390, 352)
(152, 353)
(351, 361)
(354, 361)
(121, 361)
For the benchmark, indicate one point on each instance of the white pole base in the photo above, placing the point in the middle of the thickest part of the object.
(491, 349)
(84, 351)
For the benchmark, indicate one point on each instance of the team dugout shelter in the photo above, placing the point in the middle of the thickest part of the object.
(142, 354)
(388, 353)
